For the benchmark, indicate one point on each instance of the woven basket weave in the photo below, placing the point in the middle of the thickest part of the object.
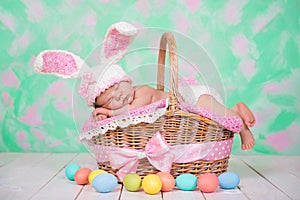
(176, 126)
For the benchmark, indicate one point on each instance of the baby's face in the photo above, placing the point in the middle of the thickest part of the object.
(116, 96)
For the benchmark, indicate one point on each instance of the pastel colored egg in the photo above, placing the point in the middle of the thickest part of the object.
(208, 182)
(104, 182)
(70, 170)
(151, 184)
(82, 176)
(186, 182)
(132, 182)
(167, 180)
(229, 180)
(95, 173)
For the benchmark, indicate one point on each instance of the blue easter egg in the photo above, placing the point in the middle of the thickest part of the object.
(186, 182)
(70, 170)
(105, 182)
(229, 180)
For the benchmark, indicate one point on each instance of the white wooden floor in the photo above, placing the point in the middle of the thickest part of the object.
(40, 176)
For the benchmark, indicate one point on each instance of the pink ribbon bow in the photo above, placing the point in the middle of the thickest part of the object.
(126, 160)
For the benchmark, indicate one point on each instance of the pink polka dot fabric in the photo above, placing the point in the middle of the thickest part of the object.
(220, 151)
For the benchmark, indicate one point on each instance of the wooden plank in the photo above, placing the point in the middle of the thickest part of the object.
(234, 194)
(12, 182)
(59, 187)
(280, 171)
(8, 157)
(252, 184)
(177, 194)
(24, 177)
(139, 195)
(41, 176)
(87, 191)
(227, 194)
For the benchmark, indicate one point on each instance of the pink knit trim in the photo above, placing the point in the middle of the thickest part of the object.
(59, 62)
(115, 43)
(232, 123)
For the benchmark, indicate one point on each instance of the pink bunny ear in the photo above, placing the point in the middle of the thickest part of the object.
(58, 62)
(116, 42)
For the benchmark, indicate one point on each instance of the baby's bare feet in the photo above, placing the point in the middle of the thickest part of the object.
(249, 120)
(246, 138)
(245, 113)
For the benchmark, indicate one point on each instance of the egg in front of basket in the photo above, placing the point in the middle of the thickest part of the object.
(104, 182)
(229, 180)
(186, 182)
(70, 170)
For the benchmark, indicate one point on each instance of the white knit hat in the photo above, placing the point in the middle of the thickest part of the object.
(90, 87)
(99, 78)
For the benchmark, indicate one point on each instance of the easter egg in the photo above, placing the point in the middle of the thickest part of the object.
(82, 176)
(104, 182)
(208, 182)
(186, 182)
(132, 182)
(229, 180)
(151, 184)
(70, 170)
(95, 173)
(167, 180)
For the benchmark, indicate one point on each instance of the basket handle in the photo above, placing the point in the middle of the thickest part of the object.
(168, 39)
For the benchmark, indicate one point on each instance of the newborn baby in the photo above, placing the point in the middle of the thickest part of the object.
(123, 96)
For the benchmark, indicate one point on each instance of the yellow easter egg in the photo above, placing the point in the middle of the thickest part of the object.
(95, 173)
(151, 184)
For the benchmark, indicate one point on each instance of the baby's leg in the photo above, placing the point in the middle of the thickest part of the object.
(212, 104)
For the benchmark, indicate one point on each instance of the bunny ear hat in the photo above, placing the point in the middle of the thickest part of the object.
(97, 79)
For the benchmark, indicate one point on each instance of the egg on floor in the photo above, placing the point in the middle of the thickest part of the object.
(132, 182)
(186, 182)
(82, 176)
(70, 170)
(167, 180)
(104, 182)
(151, 184)
(229, 180)
(95, 173)
(208, 182)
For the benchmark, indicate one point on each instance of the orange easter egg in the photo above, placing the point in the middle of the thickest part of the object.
(82, 176)
(167, 180)
(208, 182)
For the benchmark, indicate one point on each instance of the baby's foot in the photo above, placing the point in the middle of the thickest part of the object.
(246, 138)
(248, 121)
(245, 113)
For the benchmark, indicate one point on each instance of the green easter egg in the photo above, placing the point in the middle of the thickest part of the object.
(132, 182)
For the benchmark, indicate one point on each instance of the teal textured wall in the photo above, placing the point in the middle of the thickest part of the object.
(254, 46)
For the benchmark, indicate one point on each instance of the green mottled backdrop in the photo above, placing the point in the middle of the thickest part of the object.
(254, 45)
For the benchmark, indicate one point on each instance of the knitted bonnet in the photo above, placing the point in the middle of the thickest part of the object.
(97, 79)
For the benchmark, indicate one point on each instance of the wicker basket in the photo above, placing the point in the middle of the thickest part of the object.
(176, 126)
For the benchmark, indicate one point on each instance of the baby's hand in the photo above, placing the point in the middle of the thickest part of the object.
(101, 113)
(100, 117)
